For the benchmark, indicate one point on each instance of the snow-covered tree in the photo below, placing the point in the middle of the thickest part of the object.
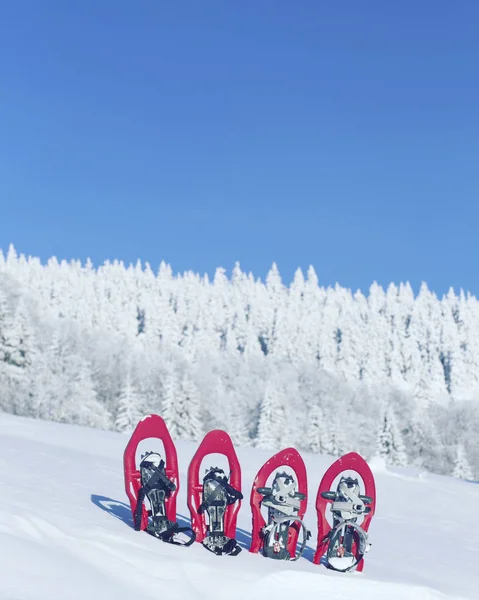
(181, 408)
(239, 424)
(390, 445)
(189, 394)
(83, 407)
(420, 437)
(319, 435)
(5, 324)
(254, 357)
(271, 418)
(129, 407)
(19, 337)
(171, 409)
(462, 468)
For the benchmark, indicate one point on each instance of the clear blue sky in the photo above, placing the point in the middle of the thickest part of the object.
(339, 134)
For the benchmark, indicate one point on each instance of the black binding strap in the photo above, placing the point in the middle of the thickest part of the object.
(166, 530)
(214, 503)
(139, 508)
(222, 545)
(232, 495)
(159, 526)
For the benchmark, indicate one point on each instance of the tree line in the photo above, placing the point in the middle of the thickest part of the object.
(324, 369)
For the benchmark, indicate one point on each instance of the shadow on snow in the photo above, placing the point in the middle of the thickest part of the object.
(120, 510)
(116, 509)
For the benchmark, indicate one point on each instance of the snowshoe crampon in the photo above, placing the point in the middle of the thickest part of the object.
(214, 503)
(346, 541)
(156, 482)
(286, 501)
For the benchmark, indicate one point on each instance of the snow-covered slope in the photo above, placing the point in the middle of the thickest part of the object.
(66, 532)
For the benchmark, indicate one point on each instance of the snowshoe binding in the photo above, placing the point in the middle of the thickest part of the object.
(347, 506)
(283, 502)
(156, 487)
(217, 494)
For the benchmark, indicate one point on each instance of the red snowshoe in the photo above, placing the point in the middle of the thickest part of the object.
(217, 496)
(286, 500)
(346, 541)
(155, 481)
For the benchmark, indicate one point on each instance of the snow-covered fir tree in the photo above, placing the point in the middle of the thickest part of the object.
(190, 398)
(462, 468)
(81, 398)
(271, 419)
(323, 434)
(19, 337)
(250, 356)
(334, 443)
(171, 409)
(390, 445)
(318, 435)
(181, 408)
(5, 325)
(129, 407)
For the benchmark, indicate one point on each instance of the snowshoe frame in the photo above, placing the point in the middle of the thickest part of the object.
(289, 457)
(150, 426)
(349, 462)
(214, 442)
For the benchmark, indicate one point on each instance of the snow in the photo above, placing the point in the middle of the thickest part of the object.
(101, 346)
(65, 530)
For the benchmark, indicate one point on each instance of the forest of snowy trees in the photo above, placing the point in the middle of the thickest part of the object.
(323, 369)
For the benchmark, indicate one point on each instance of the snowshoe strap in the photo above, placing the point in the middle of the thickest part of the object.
(340, 540)
(153, 477)
(347, 506)
(220, 544)
(283, 502)
(282, 496)
(139, 508)
(161, 527)
(157, 487)
(275, 540)
(218, 493)
(276, 536)
(166, 531)
(158, 478)
(354, 504)
(231, 494)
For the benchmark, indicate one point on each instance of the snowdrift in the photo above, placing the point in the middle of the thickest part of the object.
(66, 531)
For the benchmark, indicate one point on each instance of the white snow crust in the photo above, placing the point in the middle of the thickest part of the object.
(66, 531)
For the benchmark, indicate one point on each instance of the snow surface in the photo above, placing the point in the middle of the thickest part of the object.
(66, 531)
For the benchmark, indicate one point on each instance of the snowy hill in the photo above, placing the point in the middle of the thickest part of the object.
(65, 531)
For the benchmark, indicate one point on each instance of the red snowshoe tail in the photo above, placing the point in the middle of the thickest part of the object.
(151, 426)
(214, 442)
(353, 462)
(289, 457)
